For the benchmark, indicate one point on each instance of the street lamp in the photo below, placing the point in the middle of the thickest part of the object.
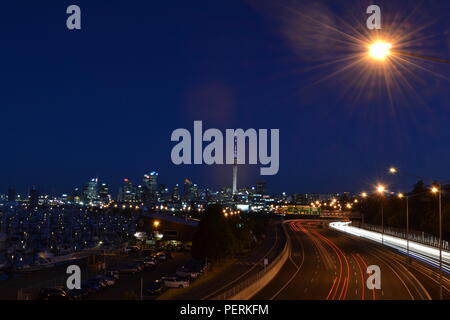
(438, 190)
(380, 50)
(401, 196)
(392, 170)
(381, 189)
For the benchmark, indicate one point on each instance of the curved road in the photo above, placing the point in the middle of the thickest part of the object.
(325, 264)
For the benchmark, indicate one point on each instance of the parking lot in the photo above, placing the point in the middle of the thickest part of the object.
(128, 286)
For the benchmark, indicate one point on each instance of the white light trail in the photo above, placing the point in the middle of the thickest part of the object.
(417, 250)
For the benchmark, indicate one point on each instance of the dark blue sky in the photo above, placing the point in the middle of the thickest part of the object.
(104, 100)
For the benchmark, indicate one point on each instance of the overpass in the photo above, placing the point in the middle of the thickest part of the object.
(337, 214)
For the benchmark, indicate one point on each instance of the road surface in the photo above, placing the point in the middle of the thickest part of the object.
(326, 264)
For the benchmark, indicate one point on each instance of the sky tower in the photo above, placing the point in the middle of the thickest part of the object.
(235, 167)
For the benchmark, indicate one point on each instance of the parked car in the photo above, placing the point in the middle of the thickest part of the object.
(175, 282)
(72, 294)
(161, 257)
(113, 273)
(197, 265)
(140, 264)
(76, 294)
(129, 269)
(52, 294)
(155, 288)
(102, 282)
(108, 280)
(91, 285)
(150, 262)
(130, 249)
(187, 272)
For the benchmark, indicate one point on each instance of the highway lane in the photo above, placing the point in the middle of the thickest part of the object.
(417, 250)
(326, 264)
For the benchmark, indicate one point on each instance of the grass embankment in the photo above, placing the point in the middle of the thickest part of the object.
(215, 271)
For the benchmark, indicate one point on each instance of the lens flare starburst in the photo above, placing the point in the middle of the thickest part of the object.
(379, 50)
(365, 64)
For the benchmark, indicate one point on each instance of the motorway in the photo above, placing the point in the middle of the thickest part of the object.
(325, 264)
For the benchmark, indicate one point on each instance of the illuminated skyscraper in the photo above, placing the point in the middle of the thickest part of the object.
(261, 187)
(176, 193)
(103, 193)
(90, 191)
(126, 192)
(150, 186)
(151, 181)
(187, 189)
(193, 192)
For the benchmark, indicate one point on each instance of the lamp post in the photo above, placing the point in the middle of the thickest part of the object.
(380, 190)
(401, 196)
(438, 189)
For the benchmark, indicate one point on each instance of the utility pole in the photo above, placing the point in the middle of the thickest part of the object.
(407, 229)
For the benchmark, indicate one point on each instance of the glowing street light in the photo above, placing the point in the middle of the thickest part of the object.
(156, 223)
(381, 189)
(364, 195)
(392, 170)
(379, 50)
(437, 189)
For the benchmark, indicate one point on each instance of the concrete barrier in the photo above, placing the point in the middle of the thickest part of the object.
(249, 288)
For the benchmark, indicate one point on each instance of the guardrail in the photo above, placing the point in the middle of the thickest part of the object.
(248, 288)
(417, 236)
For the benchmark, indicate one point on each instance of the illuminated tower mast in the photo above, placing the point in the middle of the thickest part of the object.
(235, 167)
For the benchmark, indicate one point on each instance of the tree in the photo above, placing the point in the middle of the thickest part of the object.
(423, 210)
(419, 187)
(213, 238)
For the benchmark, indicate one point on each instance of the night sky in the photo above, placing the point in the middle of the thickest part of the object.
(104, 100)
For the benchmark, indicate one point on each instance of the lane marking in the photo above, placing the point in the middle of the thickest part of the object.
(296, 272)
